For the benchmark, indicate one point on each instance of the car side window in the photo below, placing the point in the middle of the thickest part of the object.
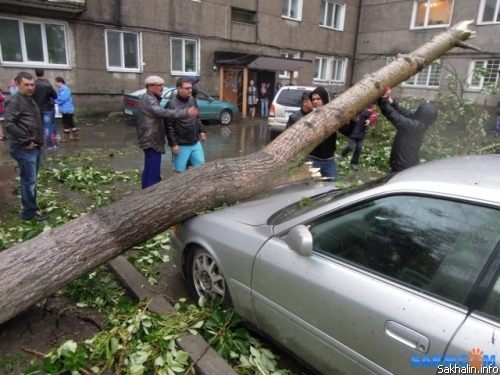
(433, 244)
(201, 96)
(492, 304)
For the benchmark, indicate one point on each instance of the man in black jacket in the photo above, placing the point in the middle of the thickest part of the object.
(44, 96)
(323, 156)
(411, 128)
(184, 135)
(23, 124)
(305, 109)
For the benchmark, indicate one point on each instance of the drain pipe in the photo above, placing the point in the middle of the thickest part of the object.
(225, 23)
(356, 41)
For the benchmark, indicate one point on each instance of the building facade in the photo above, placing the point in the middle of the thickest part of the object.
(106, 48)
(389, 27)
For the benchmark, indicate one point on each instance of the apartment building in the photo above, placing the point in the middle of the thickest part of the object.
(389, 27)
(108, 47)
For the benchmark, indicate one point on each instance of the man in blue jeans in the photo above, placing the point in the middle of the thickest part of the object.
(323, 156)
(23, 124)
(44, 96)
(184, 134)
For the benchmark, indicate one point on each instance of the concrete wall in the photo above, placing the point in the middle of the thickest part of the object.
(384, 31)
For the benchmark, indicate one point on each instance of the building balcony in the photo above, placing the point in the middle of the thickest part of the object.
(48, 8)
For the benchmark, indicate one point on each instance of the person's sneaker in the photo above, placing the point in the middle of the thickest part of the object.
(51, 147)
(355, 167)
(37, 217)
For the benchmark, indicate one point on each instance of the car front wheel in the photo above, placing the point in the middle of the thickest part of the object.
(226, 116)
(205, 277)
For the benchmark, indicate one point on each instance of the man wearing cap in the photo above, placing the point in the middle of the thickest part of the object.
(151, 128)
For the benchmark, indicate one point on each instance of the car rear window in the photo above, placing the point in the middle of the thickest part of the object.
(290, 98)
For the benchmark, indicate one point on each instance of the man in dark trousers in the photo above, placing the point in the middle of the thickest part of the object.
(23, 124)
(411, 128)
(44, 96)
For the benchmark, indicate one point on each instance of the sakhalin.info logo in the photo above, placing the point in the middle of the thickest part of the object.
(475, 362)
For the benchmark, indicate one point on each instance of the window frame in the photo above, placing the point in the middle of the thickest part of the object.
(341, 17)
(289, 10)
(197, 58)
(470, 76)
(480, 14)
(243, 13)
(122, 68)
(36, 64)
(428, 6)
(429, 74)
(329, 71)
(285, 74)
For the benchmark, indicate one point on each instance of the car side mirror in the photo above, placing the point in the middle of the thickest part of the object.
(300, 240)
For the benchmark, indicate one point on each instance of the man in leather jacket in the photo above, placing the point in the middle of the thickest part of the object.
(184, 134)
(151, 128)
(411, 128)
(23, 123)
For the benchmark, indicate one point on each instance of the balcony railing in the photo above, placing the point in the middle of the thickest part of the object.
(59, 6)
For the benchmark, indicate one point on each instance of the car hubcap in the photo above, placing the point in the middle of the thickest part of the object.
(225, 118)
(207, 277)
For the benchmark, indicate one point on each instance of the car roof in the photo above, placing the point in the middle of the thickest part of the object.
(475, 177)
(298, 87)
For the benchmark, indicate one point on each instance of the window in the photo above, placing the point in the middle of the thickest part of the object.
(332, 15)
(292, 9)
(428, 77)
(123, 51)
(33, 43)
(330, 70)
(483, 72)
(489, 11)
(184, 55)
(436, 245)
(432, 13)
(243, 16)
(286, 55)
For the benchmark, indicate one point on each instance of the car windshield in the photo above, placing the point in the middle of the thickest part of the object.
(307, 204)
(290, 98)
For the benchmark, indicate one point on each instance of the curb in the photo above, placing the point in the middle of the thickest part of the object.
(207, 361)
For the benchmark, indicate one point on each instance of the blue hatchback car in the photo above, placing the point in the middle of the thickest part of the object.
(210, 108)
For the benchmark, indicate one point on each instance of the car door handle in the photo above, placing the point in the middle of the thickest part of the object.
(407, 336)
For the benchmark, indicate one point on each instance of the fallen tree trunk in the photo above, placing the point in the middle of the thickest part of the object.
(36, 268)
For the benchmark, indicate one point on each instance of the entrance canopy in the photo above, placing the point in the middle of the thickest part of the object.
(260, 62)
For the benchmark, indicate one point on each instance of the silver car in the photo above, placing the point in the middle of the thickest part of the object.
(398, 276)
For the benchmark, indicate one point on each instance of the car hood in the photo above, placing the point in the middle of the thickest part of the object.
(259, 208)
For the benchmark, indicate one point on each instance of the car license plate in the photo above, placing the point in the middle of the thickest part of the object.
(288, 114)
(128, 112)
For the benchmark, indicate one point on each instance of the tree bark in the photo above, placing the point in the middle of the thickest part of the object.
(36, 268)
